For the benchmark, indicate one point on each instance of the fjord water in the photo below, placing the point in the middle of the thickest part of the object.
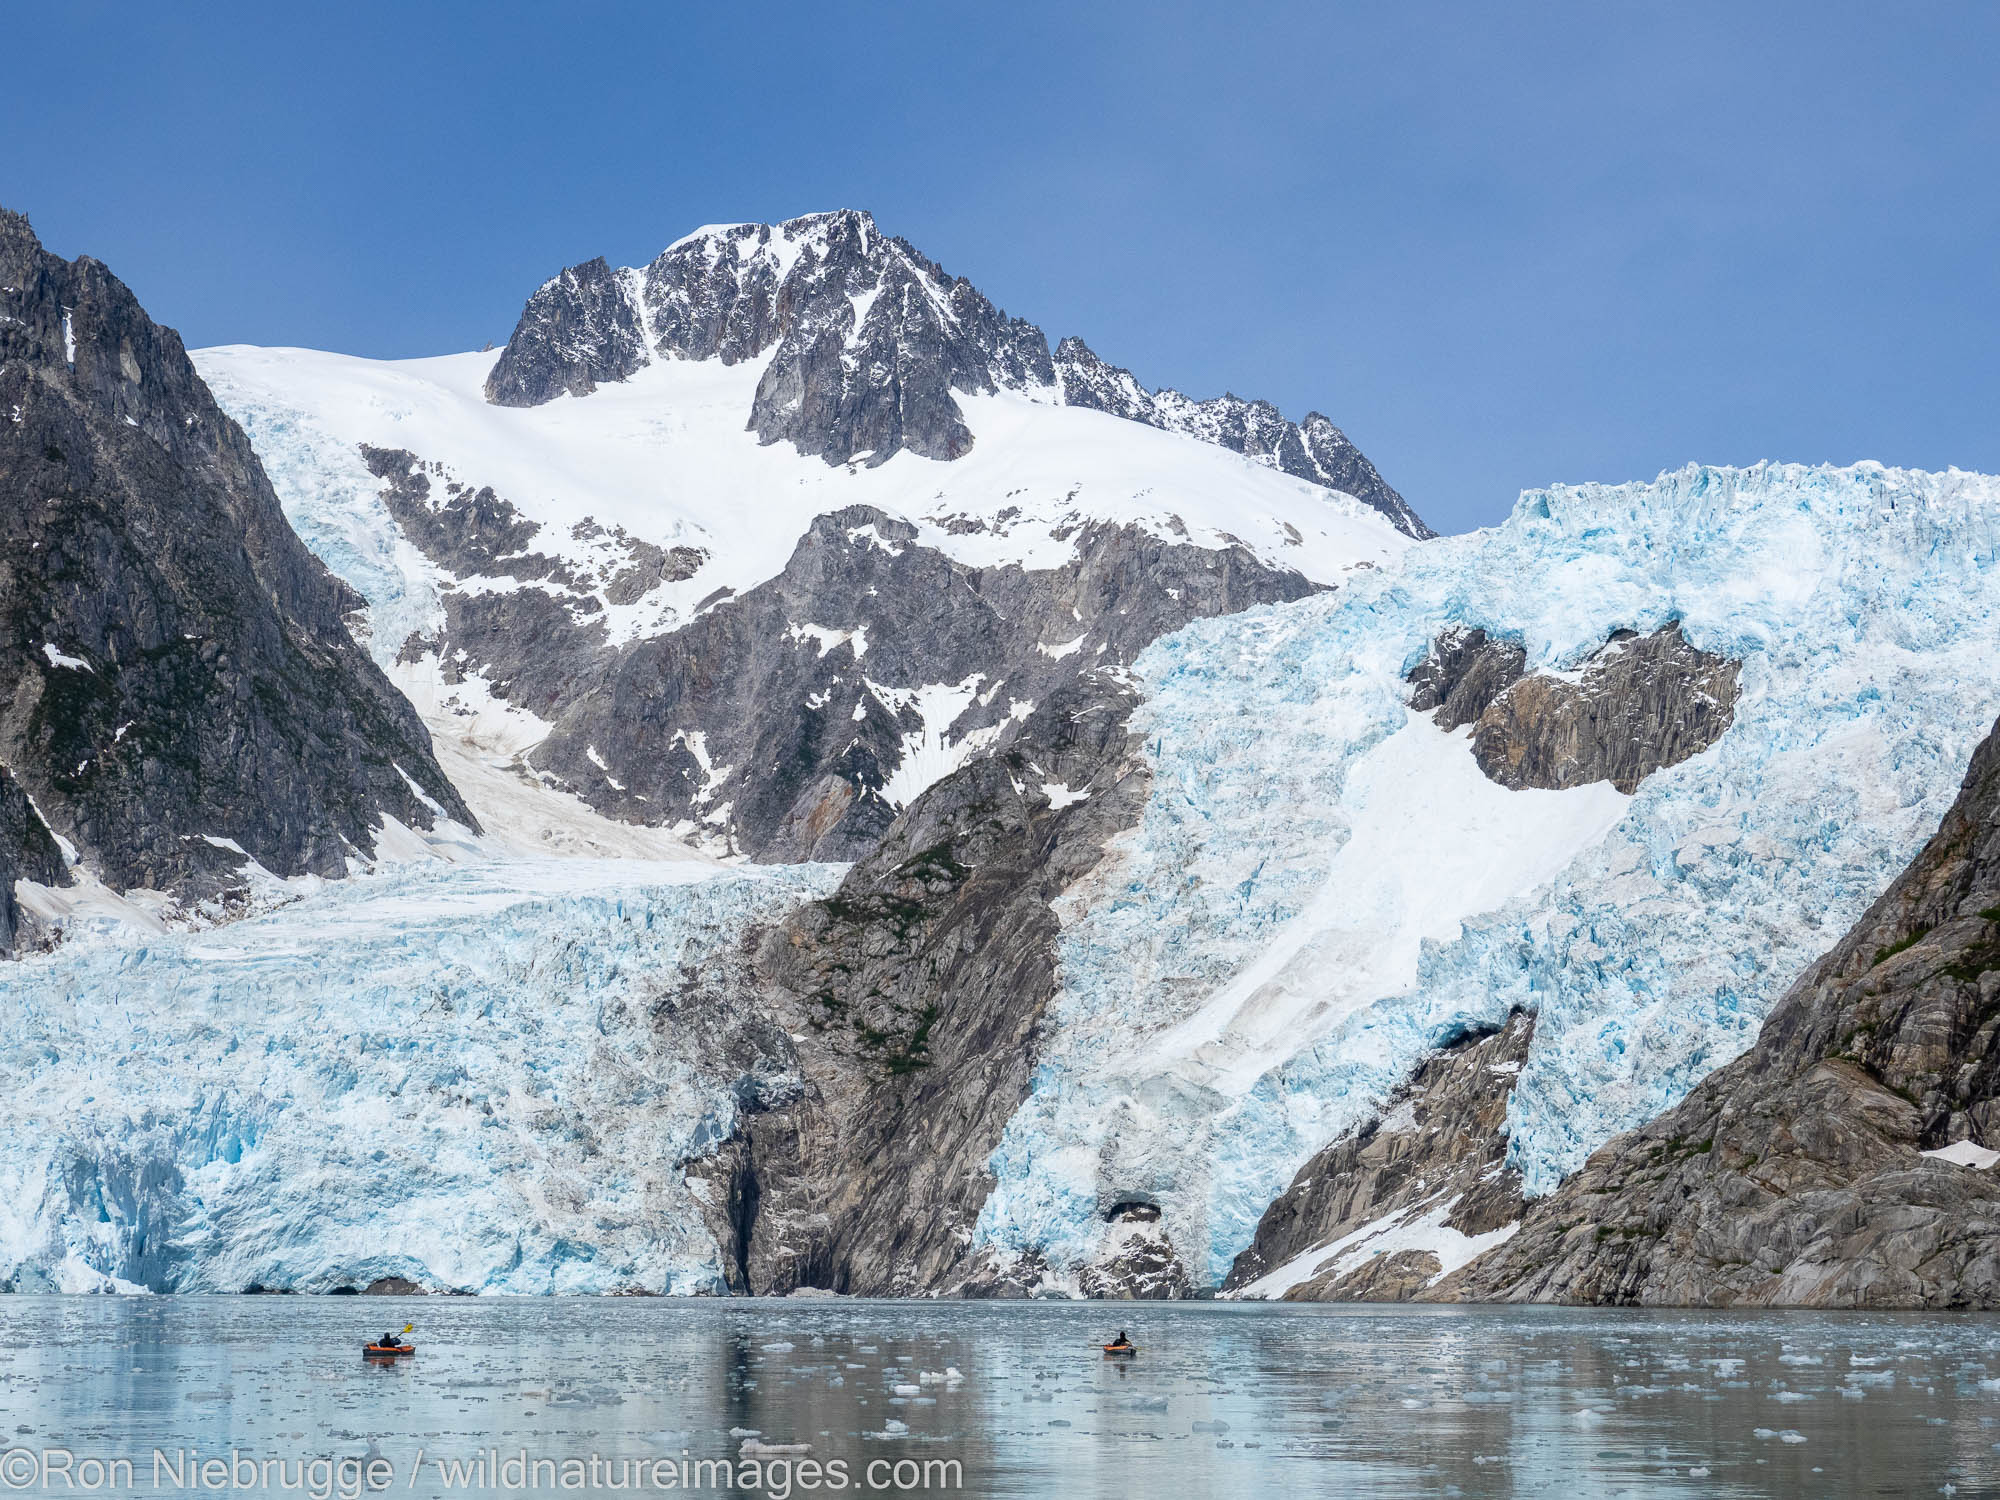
(1221, 1400)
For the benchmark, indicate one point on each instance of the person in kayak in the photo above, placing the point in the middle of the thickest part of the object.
(393, 1340)
(1121, 1342)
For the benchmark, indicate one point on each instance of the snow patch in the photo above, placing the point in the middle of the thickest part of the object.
(1421, 1228)
(1966, 1154)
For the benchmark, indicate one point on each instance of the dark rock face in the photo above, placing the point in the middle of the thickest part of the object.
(868, 341)
(579, 329)
(1643, 703)
(917, 989)
(1313, 450)
(867, 338)
(1440, 1144)
(803, 730)
(1462, 676)
(175, 667)
(1793, 1176)
(776, 722)
(27, 852)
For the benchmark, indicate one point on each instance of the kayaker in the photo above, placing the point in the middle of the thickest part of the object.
(1121, 1342)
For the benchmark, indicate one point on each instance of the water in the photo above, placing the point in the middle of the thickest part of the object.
(1222, 1400)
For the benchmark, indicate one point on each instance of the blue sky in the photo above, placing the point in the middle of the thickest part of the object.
(1501, 245)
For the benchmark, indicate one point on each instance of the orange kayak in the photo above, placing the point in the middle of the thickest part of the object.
(388, 1351)
(1120, 1351)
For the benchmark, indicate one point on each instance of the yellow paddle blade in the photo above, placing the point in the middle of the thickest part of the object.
(408, 1326)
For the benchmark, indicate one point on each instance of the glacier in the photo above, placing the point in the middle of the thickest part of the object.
(1238, 988)
(454, 1073)
(460, 1073)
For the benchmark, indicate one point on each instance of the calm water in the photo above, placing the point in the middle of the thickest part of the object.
(1222, 1400)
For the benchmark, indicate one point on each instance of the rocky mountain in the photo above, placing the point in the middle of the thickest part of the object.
(866, 347)
(1847, 1159)
(179, 693)
(1151, 873)
(711, 545)
(796, 718)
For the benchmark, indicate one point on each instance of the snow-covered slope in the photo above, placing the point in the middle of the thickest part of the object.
(1302, 911)
(665, 455)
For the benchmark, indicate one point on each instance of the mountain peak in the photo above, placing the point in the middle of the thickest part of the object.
(868, 344)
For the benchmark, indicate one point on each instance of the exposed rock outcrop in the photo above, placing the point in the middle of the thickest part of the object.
(176, 674)
(1434, 1161)
(1635, 706)
(580, 328)
(868, 344)
(792, 721)
(913, 996)
(1798, 1175)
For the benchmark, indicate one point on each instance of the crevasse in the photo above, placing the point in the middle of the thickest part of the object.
(1861, 602)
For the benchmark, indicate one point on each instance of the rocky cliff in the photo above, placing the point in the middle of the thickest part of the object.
(1383, 1213)
(178, 688)
(1847, 1159)
(914, 996)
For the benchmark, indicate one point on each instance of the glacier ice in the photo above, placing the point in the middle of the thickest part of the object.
(335, 505)
(446, 1072)
(1184, 1066)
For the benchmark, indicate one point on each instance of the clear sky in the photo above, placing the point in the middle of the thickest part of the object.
(1501, 245)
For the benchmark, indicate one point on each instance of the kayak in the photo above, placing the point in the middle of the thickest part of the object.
(1120, 1351)
(388, 1351)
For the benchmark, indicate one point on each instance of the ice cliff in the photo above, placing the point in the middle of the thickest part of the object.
(457, 1075)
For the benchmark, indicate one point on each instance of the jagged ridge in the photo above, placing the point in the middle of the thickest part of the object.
(868, 339)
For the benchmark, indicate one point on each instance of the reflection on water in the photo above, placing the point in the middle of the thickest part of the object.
(1222, 1399)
